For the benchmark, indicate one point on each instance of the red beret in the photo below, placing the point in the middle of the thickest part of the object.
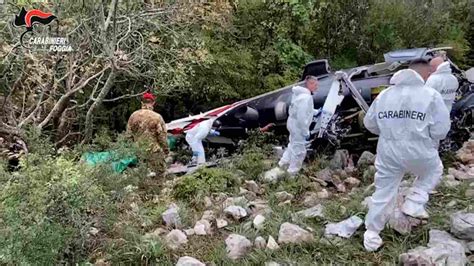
(148, 96)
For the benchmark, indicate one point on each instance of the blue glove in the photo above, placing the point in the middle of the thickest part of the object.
(307, 137)
(214, 133)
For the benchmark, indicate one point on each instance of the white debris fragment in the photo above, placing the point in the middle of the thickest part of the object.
(345, 228)
(237, 246)
(272, 244)
(221, 223)
(258, 222)
(236, 212)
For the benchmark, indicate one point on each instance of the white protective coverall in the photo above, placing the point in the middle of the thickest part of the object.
(410, 118)
(194, 138)
(445, 83)
(301, 114)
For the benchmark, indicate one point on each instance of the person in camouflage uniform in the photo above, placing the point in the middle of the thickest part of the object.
(148, 126)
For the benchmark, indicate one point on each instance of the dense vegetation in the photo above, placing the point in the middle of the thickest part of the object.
(195, 56)
(199, 56)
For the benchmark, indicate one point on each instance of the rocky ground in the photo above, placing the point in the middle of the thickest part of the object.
(315, 218)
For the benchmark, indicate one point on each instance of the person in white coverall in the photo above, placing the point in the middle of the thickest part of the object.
(301, 114)
(409, 118)
(195, 136)
(442, 80)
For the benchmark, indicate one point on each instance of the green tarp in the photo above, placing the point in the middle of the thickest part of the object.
(118, 164)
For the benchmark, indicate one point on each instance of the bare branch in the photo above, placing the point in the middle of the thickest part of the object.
(127, 33)
(65, 98)
(111, 14)
(103, 92)
(123, 97)
(38, 104)
(59, 142)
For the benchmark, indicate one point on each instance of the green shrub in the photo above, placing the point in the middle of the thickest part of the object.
(203, 182)
(259, 142)
(46, 211)
(251, 163)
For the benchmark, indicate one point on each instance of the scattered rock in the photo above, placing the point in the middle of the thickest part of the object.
(247, 194)
(315, 211)
(451, 204)
(291, 233)
(189, 232)
(462, 225)
(171, 216)
(352, 182)
(102, 262)
(460, 175)
(449, 177)
(237, 246)
(466, 153)
(258, 222)
(340, 160)
(231, 201)
(314, 186)
(259, 206)
(260, 242)
(345, 228)
(272, 263)
(175, 239)
(341, 188)
(207, 202)
(366, 158)
(284, 196)
(202, 228)
(452, 183)
(236, 212)
(284, 203)
(189, 261)
(325, 175)
(320, 181)
(272, 244)
(93, 231)
(339, 175)
(310, 199)
(242, 191)
(323, 194)
(470, 246)
(208, 215)
(442, 237)
(470, 193)
(221, 223)
(441, 250)
(252, 186)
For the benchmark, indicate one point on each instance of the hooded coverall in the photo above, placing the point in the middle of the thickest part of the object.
(409, 117)
(301, 113)
(194, 138)
(445, 83)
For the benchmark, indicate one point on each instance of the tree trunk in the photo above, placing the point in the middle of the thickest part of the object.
(97, 102)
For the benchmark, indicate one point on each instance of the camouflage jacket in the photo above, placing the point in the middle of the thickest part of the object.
(145, 123)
